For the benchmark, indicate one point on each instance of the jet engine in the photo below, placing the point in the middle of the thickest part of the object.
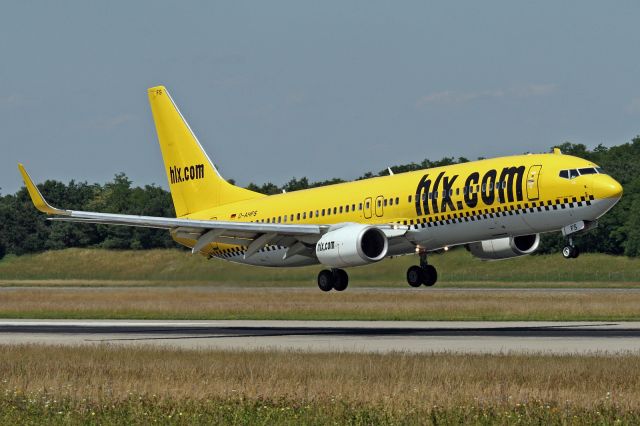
(352, 245)
(504, 248)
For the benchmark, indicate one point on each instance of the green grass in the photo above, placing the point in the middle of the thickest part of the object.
(168, 267)
(42, 409)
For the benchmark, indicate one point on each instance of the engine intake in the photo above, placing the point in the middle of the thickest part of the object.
(505, 248)
(352, 245)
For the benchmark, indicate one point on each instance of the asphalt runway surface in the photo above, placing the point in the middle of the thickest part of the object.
(328, 336)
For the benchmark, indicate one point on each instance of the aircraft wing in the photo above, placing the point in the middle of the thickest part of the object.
(299, 238)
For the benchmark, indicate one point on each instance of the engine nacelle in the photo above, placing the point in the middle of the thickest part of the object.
(352, 245)
(504, 248)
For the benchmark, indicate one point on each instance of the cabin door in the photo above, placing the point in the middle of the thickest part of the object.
(533, 192)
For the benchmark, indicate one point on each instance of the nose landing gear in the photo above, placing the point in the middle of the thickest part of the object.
(424, 274)
(570, 251)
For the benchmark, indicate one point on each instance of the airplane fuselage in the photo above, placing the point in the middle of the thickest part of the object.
(440, 207)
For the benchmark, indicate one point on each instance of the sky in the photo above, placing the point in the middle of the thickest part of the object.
(284, 89)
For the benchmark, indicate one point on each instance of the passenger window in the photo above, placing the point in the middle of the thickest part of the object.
(291, 217)
(298, 216)
(353, 207)
(360, 206)
(284, 219)
(304, 215)
(317, 213)
(329, 211)
(587, 171)
(457, 191)
(340, 209)
(268, 220)
(335, 210)
(310, 214)
(322, 212)
(279, 219)
(573, 173)
(390, 201)
(346, 208)
(397, 200)
(367, 204)
(379, 203)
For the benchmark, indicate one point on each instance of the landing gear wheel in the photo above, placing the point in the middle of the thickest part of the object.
(414, 276)
(340, 279)
(429, 275)
(570, 252)
(576, 252)
(325, 280)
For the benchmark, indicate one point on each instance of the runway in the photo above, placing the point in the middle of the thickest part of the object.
(327, 336)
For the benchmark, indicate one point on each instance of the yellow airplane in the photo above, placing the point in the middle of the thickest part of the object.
(497, 208)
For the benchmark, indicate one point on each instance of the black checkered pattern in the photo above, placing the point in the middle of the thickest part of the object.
(239, 251)
(495, 212)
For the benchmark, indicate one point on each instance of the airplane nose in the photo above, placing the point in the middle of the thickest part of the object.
(605, 186)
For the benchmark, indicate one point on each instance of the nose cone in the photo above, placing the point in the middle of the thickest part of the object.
(605, 186)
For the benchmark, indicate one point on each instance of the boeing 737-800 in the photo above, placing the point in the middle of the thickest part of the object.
(497, 208)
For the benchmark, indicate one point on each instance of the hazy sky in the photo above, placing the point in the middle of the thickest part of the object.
(319, 89)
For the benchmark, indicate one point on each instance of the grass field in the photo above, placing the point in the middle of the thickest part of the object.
(111, 385)
(173, 284)
(312, 304)
(175, 267)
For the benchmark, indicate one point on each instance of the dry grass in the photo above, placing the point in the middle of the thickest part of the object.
(177, 266)
(397, 381)
(257, 303)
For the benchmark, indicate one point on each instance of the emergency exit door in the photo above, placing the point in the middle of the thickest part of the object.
(367, 208)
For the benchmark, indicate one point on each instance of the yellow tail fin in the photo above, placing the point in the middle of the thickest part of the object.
(194, 182)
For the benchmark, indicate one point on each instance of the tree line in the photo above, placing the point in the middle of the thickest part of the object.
(25, 230)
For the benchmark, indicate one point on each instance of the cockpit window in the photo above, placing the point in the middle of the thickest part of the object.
(588, 171)
(574, 173)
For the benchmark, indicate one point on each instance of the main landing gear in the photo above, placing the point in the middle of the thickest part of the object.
(570, 251)
(334, 279)
(424, 274)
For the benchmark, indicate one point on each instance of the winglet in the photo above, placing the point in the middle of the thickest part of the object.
(38, 200)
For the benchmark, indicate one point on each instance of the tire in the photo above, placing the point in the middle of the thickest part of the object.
(341, 279)
(567, 252)
(576, 253)
(414, 276)
(430, 275)
(325, 280)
